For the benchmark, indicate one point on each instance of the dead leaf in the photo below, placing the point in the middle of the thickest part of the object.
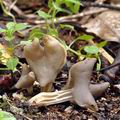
(106, 25)
(5, 54)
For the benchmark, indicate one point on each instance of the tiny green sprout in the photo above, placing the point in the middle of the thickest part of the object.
(85, 37)
(72, 6)
(12, 63)
(92, 49)
(53, 32)
(56, 6)
(43, 14)
(101, 44)
(60, 9)
(35, 33)
(67, 26)
(11, 28)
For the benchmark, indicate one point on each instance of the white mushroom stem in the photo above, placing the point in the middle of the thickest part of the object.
(50, 98)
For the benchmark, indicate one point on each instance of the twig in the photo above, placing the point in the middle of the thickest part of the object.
(93, 4)
(71, 17)
(109, 67)
(11, 6)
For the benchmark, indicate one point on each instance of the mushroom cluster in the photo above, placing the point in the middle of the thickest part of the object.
(45, 62)
(77, 89)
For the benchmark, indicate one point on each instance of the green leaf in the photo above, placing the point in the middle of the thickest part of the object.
(73, 5)
(75, 8)
(21, 26)
(44, 15)
(35, 33)
(67, 26)
(10, 25)
(73, 1)
(6, 116)
(25, 42)
(50, 3)
(98, 66)
(85, 37)
(91, 49)
(53, 32)
(64, 44)
(12, 63)
(59, 2)
(60, 9)
(102, 44)
(16, 26)
(2, 30)
(9, 34)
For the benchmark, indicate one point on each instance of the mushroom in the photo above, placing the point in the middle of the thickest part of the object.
(80, 75)
(50, 98)
(27, 78)
(77, 88)
(45, 61)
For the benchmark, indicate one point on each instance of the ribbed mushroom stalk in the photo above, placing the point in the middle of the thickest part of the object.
(45, 61)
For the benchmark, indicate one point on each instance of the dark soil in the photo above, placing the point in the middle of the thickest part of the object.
(109, 109)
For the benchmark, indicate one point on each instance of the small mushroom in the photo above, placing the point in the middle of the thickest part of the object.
(46, 61)
(27, 78)
(80, 75)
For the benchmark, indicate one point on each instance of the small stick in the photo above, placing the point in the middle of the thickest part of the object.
(109, 67)
(93, 4)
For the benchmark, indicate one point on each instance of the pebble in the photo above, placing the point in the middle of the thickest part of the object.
(84, 117)
(102, 109)
(68, 109)
(104, 99)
